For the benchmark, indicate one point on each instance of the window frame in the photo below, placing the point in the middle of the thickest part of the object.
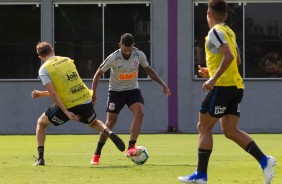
(37, 4)
(241, 3)
(103, 5)
(99, 3)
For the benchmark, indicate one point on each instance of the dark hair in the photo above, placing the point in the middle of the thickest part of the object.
(219, 7)
(127, 39)
(43, 49)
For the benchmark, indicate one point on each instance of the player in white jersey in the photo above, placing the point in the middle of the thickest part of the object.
(124, 90)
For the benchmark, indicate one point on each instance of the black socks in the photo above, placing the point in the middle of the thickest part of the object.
(203, 160)
(99, 148)
(40, 151)
(131, 144)
(255, 151)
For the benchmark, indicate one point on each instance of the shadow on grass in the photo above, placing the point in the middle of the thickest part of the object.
(118, 166)
(147, 165)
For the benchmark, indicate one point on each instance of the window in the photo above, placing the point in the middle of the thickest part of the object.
(78, 35)
(128, 18)
(263, 40)
(201, 29)
(259, 37)
(79, 32)
(18, 39)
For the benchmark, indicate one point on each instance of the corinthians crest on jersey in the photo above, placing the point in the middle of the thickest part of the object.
(135, 63)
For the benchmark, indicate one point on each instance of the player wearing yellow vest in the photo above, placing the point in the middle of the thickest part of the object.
(222, 101)
(231, 76)
(72, 98)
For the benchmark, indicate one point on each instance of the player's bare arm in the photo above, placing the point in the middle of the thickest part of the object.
(227, 59)
(56, 99)
(39, 94)
(95, 83)
(154, 76)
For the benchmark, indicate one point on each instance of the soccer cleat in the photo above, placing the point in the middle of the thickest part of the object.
(268, 171)
(196, 177)
(133, 152)
(117, 141)
(39, 161)
(95, 160)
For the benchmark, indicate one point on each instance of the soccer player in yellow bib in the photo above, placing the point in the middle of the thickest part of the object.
(224, 94)
(72, 98)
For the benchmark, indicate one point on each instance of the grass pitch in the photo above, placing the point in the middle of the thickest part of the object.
(171, 155)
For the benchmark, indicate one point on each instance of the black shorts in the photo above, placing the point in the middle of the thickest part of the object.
(58, 117)
(117, 99)
(222, 100)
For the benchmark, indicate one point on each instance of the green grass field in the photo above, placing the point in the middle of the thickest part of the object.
(171, 155)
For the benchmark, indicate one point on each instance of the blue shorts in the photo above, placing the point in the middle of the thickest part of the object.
(222, 100)
(117, 99)
(58, 117)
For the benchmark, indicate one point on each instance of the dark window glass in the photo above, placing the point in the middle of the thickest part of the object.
(263, 40)
(200, 31)
(234, 21)
(19, 34)
(128, 18)
(78, 35)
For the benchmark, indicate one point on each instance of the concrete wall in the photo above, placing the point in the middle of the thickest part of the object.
(19, 112)
(261, 105)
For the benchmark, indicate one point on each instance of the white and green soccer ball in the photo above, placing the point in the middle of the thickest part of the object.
(142, 158)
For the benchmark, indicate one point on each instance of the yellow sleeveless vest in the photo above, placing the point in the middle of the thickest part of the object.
(231, 77)
(67, 82)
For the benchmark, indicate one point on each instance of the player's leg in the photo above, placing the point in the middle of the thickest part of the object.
(231, 131)
(52, 115)
(230, 119)
(207, 118)
(110, 123)
(229, 126)
(100, 126)
(42, 124)
(135, 103)
(88, 116)
(114, 105)
(205, 146)
(137, 110)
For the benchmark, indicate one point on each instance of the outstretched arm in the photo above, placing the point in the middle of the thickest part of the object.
(154, 76)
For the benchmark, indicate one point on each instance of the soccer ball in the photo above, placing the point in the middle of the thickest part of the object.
(142, 158)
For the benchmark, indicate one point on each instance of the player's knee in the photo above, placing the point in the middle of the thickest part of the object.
(229, 134)
(139, 115)
(41, 123)
(202, 128)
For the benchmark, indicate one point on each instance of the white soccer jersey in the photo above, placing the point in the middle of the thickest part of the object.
(124, 73)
